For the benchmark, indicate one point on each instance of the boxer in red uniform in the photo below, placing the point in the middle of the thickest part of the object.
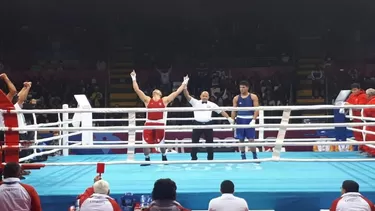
(155, 118)
(370, 112)
(358, 97)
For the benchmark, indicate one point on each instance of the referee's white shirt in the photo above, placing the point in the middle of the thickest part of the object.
(203, 116)
(228, 202)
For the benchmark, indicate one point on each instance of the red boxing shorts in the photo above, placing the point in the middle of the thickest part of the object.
(154, 136)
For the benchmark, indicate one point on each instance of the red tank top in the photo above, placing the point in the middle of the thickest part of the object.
(155, 104)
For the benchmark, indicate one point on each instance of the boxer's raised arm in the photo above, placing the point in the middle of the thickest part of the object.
(174, 94)
(22, 96)
(234, 113)
(187, 95)
(12, 89)
(139, 92)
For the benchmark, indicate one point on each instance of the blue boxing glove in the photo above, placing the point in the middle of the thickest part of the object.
(127, 202)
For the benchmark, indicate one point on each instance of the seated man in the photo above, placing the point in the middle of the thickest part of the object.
(100, 200)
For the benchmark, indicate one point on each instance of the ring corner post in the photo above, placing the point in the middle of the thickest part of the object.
(11, 138)
(131, 136)
(65, 118)
(340, 132)
(281, 134)
(86, 118)
(261, 129)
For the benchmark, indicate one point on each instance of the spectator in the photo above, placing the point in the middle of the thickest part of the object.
(351, 199)
(99, 200)
(164, 197)
(88, 192)
(11, 188)
(317, 77)
(227, 201)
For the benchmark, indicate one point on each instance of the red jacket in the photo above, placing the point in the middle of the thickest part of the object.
(19, 192)
(370, 112)
(88, 192)
(359, 98)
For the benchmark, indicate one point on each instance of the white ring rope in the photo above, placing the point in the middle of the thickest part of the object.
(56, 137)
(213, 161)
(36, 154)
(220, 130)
(215, 140)
(186, 109)
(213, 118)
(64, 128)
(192, 145)
(179, 127)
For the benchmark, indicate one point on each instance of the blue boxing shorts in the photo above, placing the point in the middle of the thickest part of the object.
(243, 133)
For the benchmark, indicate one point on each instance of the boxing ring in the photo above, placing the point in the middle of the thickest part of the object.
(283, 181)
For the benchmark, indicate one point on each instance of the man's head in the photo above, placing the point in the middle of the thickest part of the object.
(349, 186)
(205, 96)
(244, 87)
(164, 189)
(370, 93)
(355, 88)
(12, 170)
(101, 187)
(227, 186)
(156, 94)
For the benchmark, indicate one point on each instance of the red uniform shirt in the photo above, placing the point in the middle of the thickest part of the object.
(359, 98)
(155, 104)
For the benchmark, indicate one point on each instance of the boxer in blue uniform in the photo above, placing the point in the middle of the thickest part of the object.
(245, 99)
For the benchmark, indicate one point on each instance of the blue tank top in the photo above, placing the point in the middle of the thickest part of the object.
(245, 102)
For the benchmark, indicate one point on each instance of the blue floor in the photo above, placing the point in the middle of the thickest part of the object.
(270, 185)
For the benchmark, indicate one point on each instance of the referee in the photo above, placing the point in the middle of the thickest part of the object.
(203, 118)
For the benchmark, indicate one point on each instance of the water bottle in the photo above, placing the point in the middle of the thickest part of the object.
(145, 201)
(77, 205)
(127, 202)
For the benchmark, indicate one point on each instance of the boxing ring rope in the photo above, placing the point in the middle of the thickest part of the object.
(85, 128)
(190, 127)
(213, 118)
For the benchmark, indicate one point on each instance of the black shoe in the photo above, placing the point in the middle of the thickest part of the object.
(146, 164)
(164, 158)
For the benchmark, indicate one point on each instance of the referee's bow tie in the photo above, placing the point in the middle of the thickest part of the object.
(204, 102)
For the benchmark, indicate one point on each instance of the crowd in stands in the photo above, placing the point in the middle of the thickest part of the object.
(163, 197)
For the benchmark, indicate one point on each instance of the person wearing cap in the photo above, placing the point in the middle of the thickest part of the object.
(15, 195)
(351, 199)
(100, 199)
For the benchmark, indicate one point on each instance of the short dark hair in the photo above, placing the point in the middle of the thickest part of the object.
(164, 189)
(350, 186)
(12, 170)
(227, 186)
(355, 86)
(244, 83)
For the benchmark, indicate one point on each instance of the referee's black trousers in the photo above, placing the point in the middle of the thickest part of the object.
(208, 135)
